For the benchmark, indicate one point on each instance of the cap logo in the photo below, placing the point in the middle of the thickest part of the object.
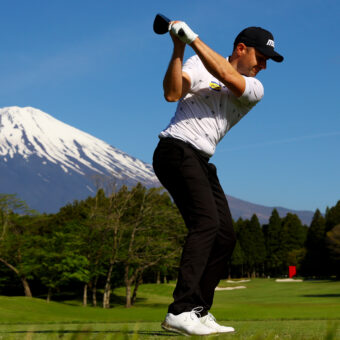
(270, 42)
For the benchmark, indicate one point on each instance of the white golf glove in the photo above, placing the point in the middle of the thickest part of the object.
(183, 32)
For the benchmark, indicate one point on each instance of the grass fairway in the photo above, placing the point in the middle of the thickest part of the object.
(265, 309)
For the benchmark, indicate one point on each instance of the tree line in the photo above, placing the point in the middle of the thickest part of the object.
(268, 250)
(126, 236)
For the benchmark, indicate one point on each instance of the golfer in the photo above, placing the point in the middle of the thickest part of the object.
(213, 93)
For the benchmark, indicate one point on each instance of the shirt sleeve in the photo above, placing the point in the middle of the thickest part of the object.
(193, 67)
(253, 92)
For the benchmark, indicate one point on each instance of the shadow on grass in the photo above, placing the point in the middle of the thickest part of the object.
(76, 299)
(320, 281)
(322, 295)
(115, 300)
(154, 305)
(89, 332)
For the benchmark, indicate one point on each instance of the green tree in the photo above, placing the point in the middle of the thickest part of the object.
(252, 243)
(333, 245)
(97, 240)
(58, 258)
(332, 216)
(169, 220)
(112, 213)
(14, 238)
(238, 259)
(315, 261)
(272, 234)
(292, 238)
(151, 238)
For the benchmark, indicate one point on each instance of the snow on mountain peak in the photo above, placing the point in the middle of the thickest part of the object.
(28, 131)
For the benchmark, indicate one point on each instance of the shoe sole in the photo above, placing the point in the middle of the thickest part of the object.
(167, 327)
(226, 332)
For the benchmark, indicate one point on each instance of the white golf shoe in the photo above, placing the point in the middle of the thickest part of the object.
(210, 322)
(186, 323)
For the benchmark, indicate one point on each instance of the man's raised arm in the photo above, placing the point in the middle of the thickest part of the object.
(216, 65)
(176, 84)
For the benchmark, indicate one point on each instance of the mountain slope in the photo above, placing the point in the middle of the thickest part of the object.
(49, 163)
(245, 210)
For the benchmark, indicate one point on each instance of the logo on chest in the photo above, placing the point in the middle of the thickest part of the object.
(214, 86)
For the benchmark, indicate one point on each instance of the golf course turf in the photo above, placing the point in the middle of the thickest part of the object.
(264, 309)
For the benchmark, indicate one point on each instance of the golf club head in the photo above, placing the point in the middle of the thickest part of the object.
(161, 24)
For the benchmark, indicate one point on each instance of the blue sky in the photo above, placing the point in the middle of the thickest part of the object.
(98, 66)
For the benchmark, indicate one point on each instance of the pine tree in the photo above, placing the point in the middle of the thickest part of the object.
(237, 260)
(333, 245)
(293, 237)
(272, 233)
(252, 243)
(314, 263)
(333, 217)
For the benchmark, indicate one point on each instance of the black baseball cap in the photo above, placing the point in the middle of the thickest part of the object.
(260, 39)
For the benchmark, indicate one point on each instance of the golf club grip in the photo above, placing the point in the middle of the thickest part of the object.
(181, 32)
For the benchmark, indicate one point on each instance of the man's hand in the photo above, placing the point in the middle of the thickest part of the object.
(177, 42)
(181, 30)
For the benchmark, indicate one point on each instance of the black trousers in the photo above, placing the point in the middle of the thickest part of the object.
(194, 186)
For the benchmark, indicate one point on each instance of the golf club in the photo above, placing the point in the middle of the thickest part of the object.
(161, 25)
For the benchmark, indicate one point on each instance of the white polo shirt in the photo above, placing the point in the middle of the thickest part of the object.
(210, 109)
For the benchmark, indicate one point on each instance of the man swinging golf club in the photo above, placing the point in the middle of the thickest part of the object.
(214, 93)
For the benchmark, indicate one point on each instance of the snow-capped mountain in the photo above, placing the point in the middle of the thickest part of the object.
(49, 163)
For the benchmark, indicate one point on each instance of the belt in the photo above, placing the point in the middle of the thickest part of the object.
(187, 144)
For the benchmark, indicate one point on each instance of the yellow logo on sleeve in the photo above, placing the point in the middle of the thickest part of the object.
(214, 86)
